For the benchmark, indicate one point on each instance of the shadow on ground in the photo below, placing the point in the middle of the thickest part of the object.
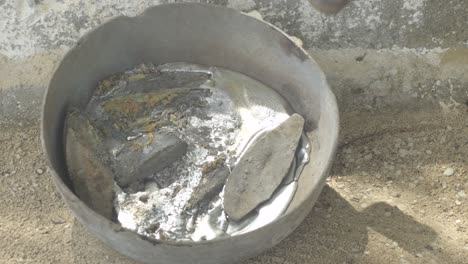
(337, 233)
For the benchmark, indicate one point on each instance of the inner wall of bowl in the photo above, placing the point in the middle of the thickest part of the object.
(189, 33)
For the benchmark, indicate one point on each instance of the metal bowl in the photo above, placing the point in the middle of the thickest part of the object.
(207, 35)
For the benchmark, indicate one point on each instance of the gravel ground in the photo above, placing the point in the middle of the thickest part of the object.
(397, 194)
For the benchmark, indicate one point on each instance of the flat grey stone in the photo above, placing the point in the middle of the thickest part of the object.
(167, 80)
(212, 182)
(148, 78)
(87, 163)
(262, 168)
(146, 155)
(147, 112)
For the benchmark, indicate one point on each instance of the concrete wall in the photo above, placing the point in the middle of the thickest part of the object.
(377, 54)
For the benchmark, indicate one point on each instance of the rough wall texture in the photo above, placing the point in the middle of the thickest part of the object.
(30, 26)
(377, 54)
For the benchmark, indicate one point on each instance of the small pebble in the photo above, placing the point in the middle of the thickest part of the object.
(428, 152)
(39, 171)
(368, 157)
(449, 128)
(363, 205)
(388, 214)
(449, 172)
(340, 185)
(458, 202)
(366, 252)
(461, 194)
(457, 221)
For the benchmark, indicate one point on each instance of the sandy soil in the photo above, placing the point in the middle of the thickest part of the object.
(397, 194)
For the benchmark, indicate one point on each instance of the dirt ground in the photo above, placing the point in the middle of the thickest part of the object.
(397, 194)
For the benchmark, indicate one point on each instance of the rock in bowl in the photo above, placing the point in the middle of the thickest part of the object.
(205, 35)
